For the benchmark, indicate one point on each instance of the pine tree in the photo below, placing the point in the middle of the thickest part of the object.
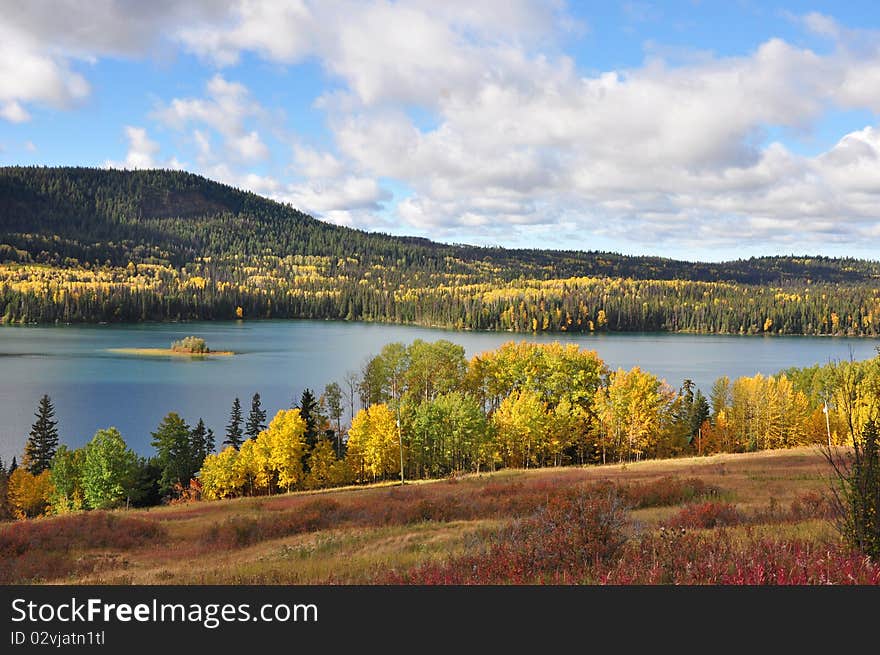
(3, 473)
(233, 430)
(256, 421)
(308, 410)
(201, 444)
(12, 466)
(43, 439)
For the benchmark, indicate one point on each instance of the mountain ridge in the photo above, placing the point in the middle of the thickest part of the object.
(92, 205)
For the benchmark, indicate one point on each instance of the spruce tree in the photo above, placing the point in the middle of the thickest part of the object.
(201, 444)
(12, 466)
(308, 409)
(43, 439)
(256, 421)
(173, 452)
(233, 430)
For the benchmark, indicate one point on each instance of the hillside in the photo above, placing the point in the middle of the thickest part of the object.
(747, 518)
(80, 244)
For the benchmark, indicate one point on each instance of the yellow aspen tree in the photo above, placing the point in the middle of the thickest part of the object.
(373, 441)
(220, 476)
(521, 428)
(283, 445)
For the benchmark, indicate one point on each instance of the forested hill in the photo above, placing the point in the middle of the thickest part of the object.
(83, 244)
(100, 215)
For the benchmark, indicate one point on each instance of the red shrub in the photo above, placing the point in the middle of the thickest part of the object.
(705, 515)
(713, 558)
(41, 549)
(667, 491)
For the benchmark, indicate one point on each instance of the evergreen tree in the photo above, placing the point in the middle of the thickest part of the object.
(5, 510)
(308, 410)
(173, 452)
(201, 444)
(146, 490)
(43, 439)
(699, 412)
(256, 421)
(233, 430)
(12, 466)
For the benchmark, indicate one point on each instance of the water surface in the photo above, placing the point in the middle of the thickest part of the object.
(94, 388)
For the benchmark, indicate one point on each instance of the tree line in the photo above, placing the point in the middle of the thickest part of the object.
(86, 245)
(424, 410)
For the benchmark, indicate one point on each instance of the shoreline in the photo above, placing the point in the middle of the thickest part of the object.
(168, 352)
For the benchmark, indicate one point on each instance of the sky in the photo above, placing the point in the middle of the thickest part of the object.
(691, 129)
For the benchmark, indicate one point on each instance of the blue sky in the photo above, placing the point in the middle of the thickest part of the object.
(689, 129)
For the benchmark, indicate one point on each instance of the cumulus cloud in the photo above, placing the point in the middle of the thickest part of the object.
(28, 74)
(226, 109)
(142, 152)
(41, 41)
(513, 137)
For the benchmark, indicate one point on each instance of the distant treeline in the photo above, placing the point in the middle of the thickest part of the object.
(87, 245)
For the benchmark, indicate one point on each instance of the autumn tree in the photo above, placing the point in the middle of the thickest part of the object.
(448, 433)
(521, 432)
(283, 444)
(324, 468)
(373, 446)
(42, 440)
(433, 368)
(66, 477)
(630, 410)
(220, 475)
(29, 495)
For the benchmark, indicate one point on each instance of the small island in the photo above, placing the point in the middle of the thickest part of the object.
(191, 346)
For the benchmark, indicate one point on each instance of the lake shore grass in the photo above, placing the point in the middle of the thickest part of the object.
(168, 352)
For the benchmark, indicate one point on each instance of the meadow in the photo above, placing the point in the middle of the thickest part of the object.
(726, 519)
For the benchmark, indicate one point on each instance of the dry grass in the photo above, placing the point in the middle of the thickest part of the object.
(355, 535)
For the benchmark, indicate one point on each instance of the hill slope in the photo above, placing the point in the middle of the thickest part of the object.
(139, 245)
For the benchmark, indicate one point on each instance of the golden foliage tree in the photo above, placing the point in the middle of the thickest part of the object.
(29, 494)
(221, 477)
(521, 429)
(373, 447)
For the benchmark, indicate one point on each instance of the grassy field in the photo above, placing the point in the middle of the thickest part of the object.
(472, 529)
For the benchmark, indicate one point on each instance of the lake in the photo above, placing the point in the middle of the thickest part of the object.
(94, 388)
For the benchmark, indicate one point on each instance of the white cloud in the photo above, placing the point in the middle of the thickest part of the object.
(29, 74)
(513, 138)
(40, 40)
(142, 152)
(227, 108)
(314, 164)
(349, 193)
(14, 112)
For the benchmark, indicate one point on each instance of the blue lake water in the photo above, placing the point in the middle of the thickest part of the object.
(93, 388)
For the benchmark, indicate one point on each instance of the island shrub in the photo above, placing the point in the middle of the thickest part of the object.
(191, 344)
